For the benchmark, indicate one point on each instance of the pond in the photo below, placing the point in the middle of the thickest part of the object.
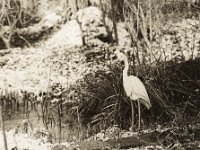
(17, 119)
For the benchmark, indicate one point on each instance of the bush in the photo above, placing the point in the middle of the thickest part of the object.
(173, 92)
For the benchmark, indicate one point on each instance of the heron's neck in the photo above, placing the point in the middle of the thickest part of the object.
(125, 71)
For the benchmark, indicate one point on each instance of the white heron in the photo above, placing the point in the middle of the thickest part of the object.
(134, 88)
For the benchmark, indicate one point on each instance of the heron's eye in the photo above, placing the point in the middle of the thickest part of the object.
(122, 63)
(114, 57)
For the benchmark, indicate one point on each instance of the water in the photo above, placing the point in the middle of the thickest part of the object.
(17, 120)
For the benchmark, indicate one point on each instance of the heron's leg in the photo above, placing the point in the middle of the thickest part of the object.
(138, 114)
(132, 109)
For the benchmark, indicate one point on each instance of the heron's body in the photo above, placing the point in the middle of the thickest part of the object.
(134, 88)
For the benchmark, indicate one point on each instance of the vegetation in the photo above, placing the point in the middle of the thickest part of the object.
(13, 15)
(97, 101)
(172, 87)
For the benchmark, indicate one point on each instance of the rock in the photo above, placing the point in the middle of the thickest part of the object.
(123, 35)
(50, 20)
(91, 22)
(68, 36)
(86, 23)
(90, 16)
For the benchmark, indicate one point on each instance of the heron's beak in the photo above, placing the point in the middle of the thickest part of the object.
(113, 59)
(117, 61)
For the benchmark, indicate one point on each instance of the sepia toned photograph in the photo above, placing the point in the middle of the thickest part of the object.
(99, 74)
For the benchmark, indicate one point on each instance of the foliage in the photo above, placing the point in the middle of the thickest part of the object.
(9, 16)
(12, 15)
(172, 89)
(98, 100)
(100, 95)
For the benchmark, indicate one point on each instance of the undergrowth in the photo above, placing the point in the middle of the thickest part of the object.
(173, 87)
(173, 90)
(98, 101)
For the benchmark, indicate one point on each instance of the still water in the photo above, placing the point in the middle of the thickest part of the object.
(17, 120)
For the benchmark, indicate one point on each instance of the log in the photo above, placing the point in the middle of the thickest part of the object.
(4, 52)
(127, 142)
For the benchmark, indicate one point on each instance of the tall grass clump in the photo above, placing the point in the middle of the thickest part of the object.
(170, 84)
(101, 99)
(173, 90)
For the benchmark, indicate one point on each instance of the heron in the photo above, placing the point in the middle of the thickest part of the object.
(134, 88)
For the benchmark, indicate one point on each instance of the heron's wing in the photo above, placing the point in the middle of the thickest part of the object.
(135, 89)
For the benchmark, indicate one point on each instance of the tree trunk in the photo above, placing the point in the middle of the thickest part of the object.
(7, 44)
(6, 41)
(113, 9)
(104, 22)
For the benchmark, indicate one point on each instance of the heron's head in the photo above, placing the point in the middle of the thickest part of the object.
(119, 56)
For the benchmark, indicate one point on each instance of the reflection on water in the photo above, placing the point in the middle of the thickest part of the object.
(16, 119)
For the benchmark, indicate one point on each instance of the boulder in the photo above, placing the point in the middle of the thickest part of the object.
(123, 35)
(87, 24)
(93, 23)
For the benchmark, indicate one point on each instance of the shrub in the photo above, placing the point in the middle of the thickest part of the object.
(102, 102)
